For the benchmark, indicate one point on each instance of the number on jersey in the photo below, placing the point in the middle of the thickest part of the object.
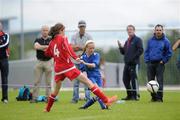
(56, 51)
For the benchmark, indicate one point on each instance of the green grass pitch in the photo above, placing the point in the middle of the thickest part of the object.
(64, 110)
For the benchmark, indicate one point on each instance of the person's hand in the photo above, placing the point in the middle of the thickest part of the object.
(76, 48)
(45, 49)
(82, 61)
(161, 62)
(78, 60)
(119, 44)
(1, 42)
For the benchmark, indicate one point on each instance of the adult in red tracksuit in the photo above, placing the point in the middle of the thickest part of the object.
(61, 51)
(4, 66)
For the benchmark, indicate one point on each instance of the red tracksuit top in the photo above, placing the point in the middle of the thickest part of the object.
(62, 52)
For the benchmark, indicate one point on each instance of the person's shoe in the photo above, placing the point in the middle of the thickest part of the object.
(5, 101)
(74, 101)
(138, 96)
(127, 98)
(159, 100)
(82, 108)
(107, 108)
(45, 110)
(33, 101)
(134, 99)
(153, 100)
(111, 100)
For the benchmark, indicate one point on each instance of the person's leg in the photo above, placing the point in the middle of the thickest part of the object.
(159, 72)
(38, 72)
(134, 82)
(87, 92)
(52, 97)
(89, 103)
(151, 72)
(75, 91)
(48, 75)
(96, 90)
(103, 106)
(97, 81)
(92, 101)
(4, 77)
(138, 66)
(126, 81)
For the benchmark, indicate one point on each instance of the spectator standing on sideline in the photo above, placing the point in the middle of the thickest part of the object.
(175, 46)
(132, 51)
(43, 64)
(4, 65)
(78, 41)
(157, 54)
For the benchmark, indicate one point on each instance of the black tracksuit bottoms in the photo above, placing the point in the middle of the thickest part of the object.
(156, 70)
(4, 68)
(130, 81)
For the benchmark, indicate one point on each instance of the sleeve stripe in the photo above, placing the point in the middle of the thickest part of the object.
(7, 42)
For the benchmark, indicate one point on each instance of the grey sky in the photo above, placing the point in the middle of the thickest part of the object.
(99, 14)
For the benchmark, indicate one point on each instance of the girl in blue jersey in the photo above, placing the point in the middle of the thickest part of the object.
(90, 64)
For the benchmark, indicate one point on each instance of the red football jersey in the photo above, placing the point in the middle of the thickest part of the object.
(62, 52)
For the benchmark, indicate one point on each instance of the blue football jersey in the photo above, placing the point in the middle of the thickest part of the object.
(94, 58)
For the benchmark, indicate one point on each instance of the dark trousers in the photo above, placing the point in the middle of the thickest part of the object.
(4, 67)
(156, 70)
(130, 80)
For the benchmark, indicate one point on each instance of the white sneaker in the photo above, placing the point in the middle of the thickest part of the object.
(5, 101)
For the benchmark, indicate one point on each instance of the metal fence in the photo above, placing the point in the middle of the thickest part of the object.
(21, 73)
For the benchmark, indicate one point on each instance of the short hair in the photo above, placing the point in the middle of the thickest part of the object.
(131, 26)
(44, 26)
(159, 25)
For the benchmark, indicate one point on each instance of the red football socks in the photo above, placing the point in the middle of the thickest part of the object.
(51, 100)
(99, 93)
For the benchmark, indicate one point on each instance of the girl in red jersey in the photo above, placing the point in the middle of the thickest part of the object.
(61, 51)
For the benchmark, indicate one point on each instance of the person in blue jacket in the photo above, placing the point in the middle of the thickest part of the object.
(157, 54)
(90, 62)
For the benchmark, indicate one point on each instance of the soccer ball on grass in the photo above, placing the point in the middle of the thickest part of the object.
(152, 86)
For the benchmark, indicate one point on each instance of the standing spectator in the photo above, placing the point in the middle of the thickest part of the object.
(175, 46)
(4, 65)
(43, 63)
(78, 41)
(157, 54)
(132, 51)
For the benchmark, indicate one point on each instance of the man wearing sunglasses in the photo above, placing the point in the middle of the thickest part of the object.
(158, 52)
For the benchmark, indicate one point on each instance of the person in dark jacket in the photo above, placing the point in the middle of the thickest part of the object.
(156, 55)
(132, 51)
(4, 65)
